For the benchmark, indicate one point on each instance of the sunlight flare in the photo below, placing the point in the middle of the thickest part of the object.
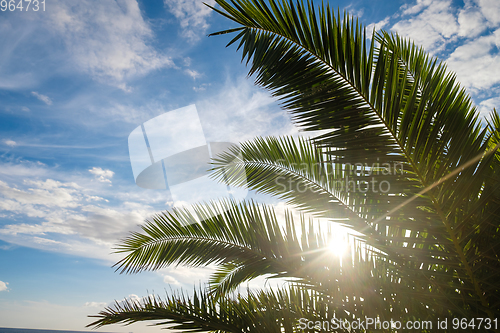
(338, 246)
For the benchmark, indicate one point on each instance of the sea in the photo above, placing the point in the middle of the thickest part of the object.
(28, 330)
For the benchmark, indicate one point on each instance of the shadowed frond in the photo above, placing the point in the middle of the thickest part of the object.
(390, 103)
(389, 114)
(263, 312)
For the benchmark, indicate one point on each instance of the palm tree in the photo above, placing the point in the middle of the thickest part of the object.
(397, 153)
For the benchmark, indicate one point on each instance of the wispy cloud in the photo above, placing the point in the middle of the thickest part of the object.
(416, 8)
(22, 169)
(43, 98)
(65, 208)
(43, 145)
(192, 15)
(377, 26)
(95, 304)
(194, 74)
(10, 143)
(16, 81)
(201, 87)
(241, 111)
(64, 216)
(107, 39)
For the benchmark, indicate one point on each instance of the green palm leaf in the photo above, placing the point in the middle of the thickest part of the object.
(393, 104)
(387, 112)
(262, 312)
(245, 239)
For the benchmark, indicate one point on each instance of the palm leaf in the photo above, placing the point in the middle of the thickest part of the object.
(431, 242)
(391, 103)
(202, 313)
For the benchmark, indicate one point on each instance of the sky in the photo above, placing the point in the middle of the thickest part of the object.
(78, 78)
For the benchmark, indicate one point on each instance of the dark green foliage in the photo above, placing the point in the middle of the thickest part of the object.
(389, 114)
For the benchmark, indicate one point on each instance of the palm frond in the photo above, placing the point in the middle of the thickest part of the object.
(201, 313)
(431, 241)
(392, 103)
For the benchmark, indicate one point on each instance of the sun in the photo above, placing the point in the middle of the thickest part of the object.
(338, 246)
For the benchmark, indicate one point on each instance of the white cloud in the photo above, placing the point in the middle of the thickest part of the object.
(65, 217)
(471, 22)
(3, 286)
(194, 74)
(95, 304)
(201, 87)
(102, 175)
(107, 39)
(35, 229)
(126, 113)
(192, 15)
(46, 241)
(43, 98)
(241, 111)
(130, 113)
(354, 11)
(486, 106)
(109, 224)
(132, 298)
(377, 26)
(432, 27)
(49, 193)
(184, 275)
(491, 10)
(477, 67)
(22, 169)
(437, 23)
(9, 143)
(170, 280)
(467, 37)
(65, 211)
(421, 4)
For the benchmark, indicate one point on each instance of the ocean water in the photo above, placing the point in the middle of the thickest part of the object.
(27, 330)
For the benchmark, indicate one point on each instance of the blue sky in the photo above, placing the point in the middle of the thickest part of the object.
(78, 78)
